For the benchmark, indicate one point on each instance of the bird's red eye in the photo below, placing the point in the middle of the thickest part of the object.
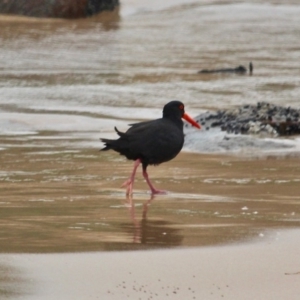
(181, 107)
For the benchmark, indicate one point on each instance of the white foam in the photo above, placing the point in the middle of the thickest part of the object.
(131, 7)
(31, 123)
(217, 141)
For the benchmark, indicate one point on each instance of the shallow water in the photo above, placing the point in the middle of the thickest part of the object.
(60, 200)
(85, 76)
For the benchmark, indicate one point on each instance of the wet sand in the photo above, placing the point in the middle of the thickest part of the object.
(60, 200)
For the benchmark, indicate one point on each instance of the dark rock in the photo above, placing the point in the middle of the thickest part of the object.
(250, 68)
(263, 118)
(69, 9)
(239, 69)
(216, 124)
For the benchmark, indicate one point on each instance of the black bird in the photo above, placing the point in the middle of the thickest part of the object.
(152, 142)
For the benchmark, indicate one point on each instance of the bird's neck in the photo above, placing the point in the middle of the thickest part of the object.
(178, 122)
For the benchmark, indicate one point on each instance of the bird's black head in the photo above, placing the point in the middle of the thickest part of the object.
(173, 109)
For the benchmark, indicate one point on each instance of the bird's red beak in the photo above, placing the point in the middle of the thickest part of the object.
(190, 120)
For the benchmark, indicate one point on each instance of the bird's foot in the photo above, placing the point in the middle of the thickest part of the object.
(128, 184)
(158, 192)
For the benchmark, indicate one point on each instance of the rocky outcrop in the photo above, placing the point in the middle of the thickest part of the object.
(69, 9)
(263, 118)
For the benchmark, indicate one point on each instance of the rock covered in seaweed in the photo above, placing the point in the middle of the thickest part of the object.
(261, 119)
(69, 9)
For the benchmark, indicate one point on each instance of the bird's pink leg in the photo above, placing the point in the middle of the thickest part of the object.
(152, 188)
(130, 180)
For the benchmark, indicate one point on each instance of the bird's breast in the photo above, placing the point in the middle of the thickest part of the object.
(165, 147)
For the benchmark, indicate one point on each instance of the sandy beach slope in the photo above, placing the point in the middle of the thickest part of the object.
(267, 269)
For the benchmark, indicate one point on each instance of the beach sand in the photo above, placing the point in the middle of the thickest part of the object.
(258, 270)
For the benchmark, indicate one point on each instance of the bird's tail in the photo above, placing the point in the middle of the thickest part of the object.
(110, 144)
(106, 143)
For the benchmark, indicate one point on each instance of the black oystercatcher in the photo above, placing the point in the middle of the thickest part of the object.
(152, 142)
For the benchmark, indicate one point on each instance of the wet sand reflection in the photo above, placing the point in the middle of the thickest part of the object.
(68, 201)
(152, 233)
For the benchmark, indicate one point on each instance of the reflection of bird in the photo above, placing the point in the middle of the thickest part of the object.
(153, 233)
(152, 142)
(137, 236)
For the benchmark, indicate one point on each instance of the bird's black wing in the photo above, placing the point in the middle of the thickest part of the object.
(154, 141)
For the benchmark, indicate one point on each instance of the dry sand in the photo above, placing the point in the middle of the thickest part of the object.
(265, 270)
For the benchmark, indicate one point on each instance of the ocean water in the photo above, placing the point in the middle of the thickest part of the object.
(75, 80)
